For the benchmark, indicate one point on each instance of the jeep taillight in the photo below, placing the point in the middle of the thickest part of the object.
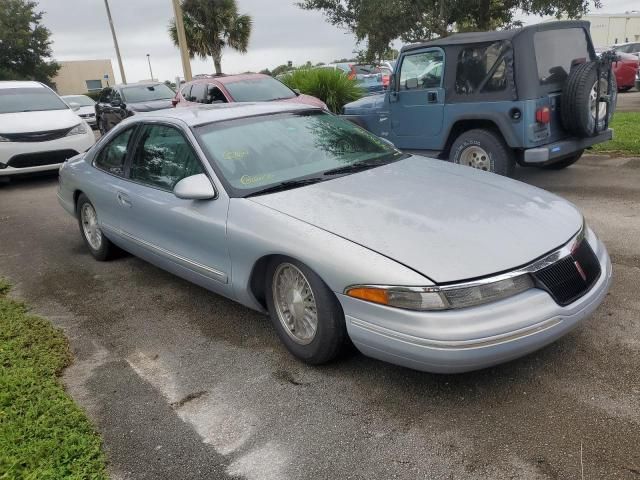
(543, 115)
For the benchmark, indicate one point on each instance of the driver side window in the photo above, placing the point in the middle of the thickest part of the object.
(163, 157)
(421, 71)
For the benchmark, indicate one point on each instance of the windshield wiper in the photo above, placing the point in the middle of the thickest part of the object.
(289, 184)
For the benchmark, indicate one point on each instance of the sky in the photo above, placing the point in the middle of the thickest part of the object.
(281, 32)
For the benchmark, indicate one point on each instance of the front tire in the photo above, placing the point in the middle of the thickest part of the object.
(304, 311)
(99, 245)
(484, 150)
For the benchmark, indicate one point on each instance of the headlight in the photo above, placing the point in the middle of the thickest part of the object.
(78, 130)
(442, 298)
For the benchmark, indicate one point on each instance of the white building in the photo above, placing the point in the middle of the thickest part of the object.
(608, 29)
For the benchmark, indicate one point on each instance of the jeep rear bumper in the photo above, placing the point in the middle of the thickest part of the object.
(563, 148)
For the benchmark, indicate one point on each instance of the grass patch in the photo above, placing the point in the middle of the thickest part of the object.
(626, 136)
(43, 434)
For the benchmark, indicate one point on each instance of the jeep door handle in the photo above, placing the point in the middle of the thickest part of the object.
(432, 97)
(123, 199)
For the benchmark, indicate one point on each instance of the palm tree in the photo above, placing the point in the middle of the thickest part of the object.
(211, 25)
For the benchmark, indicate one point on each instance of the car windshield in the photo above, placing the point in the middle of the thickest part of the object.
(147, 93)
(81, 100)
(30, 99)
(257, 153)
(259, 90)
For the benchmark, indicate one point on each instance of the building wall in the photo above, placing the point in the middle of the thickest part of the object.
(83, 76)
(607, 30)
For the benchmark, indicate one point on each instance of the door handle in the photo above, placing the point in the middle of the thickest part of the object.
(123, 199)
(432, 97)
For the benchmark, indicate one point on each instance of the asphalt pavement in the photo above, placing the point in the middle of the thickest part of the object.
(628, 101)
(185, 384)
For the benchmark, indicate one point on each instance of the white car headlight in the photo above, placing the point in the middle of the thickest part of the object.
(441, 298)
(79, 129)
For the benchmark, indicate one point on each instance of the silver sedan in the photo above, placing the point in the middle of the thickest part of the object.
(337, 235)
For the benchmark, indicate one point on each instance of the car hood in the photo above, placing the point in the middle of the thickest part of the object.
(150, 106)
(448, 222)
(85, 110)
(305, 100)
(364, 105)
(21, 122)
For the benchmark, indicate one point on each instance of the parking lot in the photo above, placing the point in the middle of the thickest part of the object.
(185, 384)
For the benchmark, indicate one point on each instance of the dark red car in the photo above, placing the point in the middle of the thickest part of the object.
(248, 87)
(626, 70)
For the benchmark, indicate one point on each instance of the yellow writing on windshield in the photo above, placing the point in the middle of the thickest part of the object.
(251, 179)
(235, 154)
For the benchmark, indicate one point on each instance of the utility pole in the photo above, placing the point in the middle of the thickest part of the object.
(150, 71)
(182, 41)
(115, 42)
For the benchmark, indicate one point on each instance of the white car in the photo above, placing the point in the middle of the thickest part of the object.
(85, 107)
(38, 131)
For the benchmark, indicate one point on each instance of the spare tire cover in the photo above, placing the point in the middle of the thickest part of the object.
(578, 104)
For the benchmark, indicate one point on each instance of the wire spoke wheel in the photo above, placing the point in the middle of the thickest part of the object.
(295, 303)
(90, 227)
(476, 157)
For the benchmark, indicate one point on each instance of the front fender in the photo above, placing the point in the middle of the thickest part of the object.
(255, 231)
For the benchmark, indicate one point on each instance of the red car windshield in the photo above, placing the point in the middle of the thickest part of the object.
(263, 89)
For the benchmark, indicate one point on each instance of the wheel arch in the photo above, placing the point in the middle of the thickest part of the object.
(473, 122)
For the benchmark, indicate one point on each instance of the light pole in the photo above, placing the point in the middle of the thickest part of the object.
(115, 42)
(149, 60)
(182, 41)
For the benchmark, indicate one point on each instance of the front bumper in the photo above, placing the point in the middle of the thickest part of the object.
(563, 148)
(471, 338)
(10, 150)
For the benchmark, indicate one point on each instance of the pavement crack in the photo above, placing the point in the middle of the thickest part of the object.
(189, 398)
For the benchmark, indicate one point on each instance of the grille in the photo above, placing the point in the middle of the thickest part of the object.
(571, 277)
(41, 158)
(36, 136)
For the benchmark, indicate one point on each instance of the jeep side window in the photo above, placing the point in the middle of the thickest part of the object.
(482, 68)
(421, 70)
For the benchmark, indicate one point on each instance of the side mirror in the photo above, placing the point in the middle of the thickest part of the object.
(195, 187)
(392, 82)
(116, 103)
(174, 101)
(74, 106)
(411, 83)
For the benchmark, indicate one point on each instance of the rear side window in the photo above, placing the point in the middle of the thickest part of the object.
(163, 157)
(557, 51)
(482, 68)
(111, 158)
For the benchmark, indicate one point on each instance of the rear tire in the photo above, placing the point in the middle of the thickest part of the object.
(564, 163)
(577, 108)
(99, 246)
(294, 293)
(484, 150)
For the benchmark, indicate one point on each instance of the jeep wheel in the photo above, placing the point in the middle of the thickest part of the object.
(564, 163)
(484, 150)
(579, 100)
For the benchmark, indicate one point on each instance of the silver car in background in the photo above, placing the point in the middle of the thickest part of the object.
(84, 106)
(337, 235)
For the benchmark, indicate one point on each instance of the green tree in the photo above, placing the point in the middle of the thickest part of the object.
(25, 47)
(211, 25)
(378, 22)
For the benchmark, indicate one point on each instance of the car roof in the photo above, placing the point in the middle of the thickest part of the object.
(203, 114)
(224, 79)
(20, 84)
(138, 84)
(494, 36)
